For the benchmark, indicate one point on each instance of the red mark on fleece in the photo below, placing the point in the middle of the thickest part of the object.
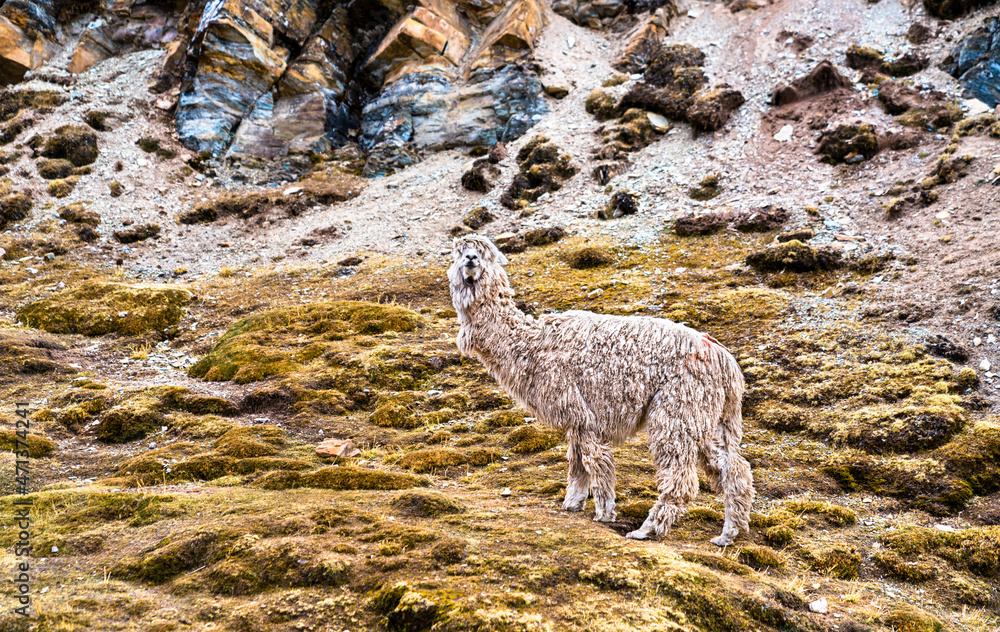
(708, 340)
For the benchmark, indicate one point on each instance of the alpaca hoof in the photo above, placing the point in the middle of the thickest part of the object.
(636, 535)
(573, 507)
(722, 540)
(611, 517)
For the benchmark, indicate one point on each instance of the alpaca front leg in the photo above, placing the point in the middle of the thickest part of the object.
(578, 481)
(600, 465)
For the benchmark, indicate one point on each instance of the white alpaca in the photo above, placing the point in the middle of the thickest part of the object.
(602, 379)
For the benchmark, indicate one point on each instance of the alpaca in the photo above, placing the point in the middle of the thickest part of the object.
(603, 378)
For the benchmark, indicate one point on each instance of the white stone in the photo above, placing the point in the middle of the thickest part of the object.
(291, 190)
(784, 134)
(985, 365)
(819, 605)
(945, 527)
(659, 123)
(506, 492)
(976, 107)
(595, 293)
(977, 341)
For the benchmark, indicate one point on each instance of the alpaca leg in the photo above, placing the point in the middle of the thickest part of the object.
(737, 492)
(578, 481)
(600, 465)
(677, 481)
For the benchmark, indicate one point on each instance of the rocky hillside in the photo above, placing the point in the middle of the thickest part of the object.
(225, 229)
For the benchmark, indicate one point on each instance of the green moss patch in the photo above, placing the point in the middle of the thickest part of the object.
(849, 144)
(793, 256)
(426, 505)
(976, 550)
(342, 478)
(505, 419)
(760, 557)
(77, 213)
(895, 566)
(911, 619)
(37, 446)
(840, 563)
(27, 355)
(96, 308)
(589, 257)
(542, 169)
(529, 439)
(421, 461)
(248, 442)
(132, 420)
(137, 509)
(14, 208)
(280, 341)
(74, 143)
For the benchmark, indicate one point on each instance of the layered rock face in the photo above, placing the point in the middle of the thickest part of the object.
(437, 75)
(239, 59)
(265, 78)
(447, 82)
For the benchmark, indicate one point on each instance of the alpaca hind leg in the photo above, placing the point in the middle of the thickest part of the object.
(600, 465)
(737, 492)
(677, 481)
(578, 480)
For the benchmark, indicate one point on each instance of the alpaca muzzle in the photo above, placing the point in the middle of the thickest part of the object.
(471, 273)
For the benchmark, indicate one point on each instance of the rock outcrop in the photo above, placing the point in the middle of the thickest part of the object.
(309, 109)
(238, 61)
(263, 78)
(951, 9)
(438, 92)
(975, 62)
(28, 37)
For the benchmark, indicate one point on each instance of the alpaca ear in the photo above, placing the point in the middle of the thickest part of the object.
(497, 255)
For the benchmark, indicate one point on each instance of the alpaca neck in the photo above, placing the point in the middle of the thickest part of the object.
(492, 324)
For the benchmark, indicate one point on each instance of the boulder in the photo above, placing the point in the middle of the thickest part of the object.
(820, 80)
(975, 62)
(429, 102)
(27, 37)
(94, 47)
(420, 37)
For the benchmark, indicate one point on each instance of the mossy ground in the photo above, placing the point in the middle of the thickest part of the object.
(235, 520)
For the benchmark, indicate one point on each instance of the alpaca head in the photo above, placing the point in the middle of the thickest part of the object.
(477, 272)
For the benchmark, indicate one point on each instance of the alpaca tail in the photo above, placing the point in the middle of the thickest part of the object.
(736, 477)
(732, 409)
